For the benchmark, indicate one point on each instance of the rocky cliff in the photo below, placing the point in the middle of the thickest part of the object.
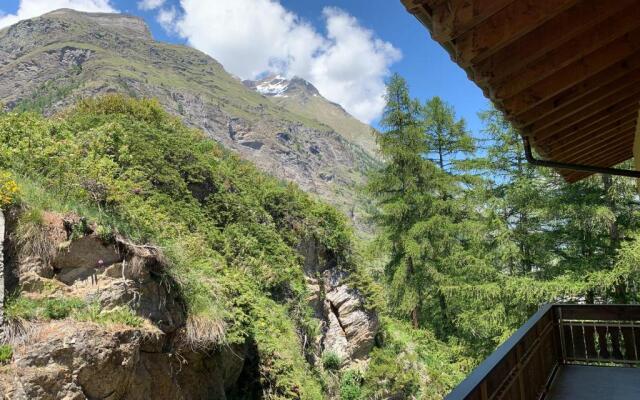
(143, 260)
(76, 356)
(47, 63)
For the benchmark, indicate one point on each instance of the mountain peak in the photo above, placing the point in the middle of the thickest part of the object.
(280, 86)
(126, 24)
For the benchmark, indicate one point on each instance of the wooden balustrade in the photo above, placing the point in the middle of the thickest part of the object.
(524, 366)
(600, 335)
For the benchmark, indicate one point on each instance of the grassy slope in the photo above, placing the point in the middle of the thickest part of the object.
(330, 114)
(142, 67)
(229, 231)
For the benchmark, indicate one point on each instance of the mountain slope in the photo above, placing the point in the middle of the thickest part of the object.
(47, 63)
(302, 98)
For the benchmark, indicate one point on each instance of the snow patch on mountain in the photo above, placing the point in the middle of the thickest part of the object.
(275, 86)
(279, 86)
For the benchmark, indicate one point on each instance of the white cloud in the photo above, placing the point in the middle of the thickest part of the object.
(33, 8)
(150, 4)
(166, 18)
(250, 37)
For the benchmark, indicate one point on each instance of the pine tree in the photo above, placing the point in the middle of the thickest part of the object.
(399, 189)
(447, 137)
(420, 213)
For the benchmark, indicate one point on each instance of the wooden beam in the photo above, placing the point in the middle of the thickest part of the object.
(620, 56)
(569, 144)
(574, 138)
(597, 143)
(564, 117)
(599, 37)
(598, 157)
(572, 100)
(505, 27)
(587, 119)
(609, 161)
(454, 17)
(547, 37)
(621, 152)
(570, 137)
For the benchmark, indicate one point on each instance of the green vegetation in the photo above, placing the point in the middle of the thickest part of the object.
(56, 308)
(119, 315)
(331, 360)
(6, 353)
(46, 95)
(229, 231)
(413, 362)
(478, 240)
(8, 189)
(350, 385)
(470, 241)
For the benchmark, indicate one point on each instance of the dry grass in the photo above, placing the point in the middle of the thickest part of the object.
(20, 332)
(202, 333)
(32, 238)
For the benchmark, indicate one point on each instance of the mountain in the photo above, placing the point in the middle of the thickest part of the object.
(48, 63)
(302, 98)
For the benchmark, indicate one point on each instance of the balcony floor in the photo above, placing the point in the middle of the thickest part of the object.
(587, 383)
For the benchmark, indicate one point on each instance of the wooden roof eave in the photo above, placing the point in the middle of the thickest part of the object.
(584, 77)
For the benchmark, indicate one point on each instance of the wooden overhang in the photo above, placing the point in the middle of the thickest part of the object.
(566, 73)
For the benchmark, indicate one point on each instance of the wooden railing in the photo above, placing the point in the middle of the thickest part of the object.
(524, 366)
(600, 335)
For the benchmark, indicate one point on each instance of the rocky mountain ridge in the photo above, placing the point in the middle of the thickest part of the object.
(48, 63)
(300, 96)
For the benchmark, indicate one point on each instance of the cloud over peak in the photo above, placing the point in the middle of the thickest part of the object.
(348, 64)
(33, 8)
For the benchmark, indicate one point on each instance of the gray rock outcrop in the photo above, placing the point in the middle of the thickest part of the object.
(83, 361)
(69, 359)
(349, 328)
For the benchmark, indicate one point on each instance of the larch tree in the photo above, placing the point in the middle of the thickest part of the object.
(419, 212)
(448, 140)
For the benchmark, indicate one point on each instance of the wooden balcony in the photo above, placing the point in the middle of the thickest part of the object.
(564, 352)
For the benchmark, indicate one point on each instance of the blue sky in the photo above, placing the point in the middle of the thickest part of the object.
(425, 65)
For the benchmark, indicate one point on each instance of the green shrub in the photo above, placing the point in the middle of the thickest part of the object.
(350, 385)
(331, 360)
(21, 307)
(6, 353)
(9, 189)
(60, 308)
(413, 363)
(118, 315)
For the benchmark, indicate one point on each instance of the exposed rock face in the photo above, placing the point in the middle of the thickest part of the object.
(349, 327)
(84, 361)
(301, 97)
(49, 62)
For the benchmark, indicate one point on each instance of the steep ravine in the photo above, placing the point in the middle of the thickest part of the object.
(72, 358)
